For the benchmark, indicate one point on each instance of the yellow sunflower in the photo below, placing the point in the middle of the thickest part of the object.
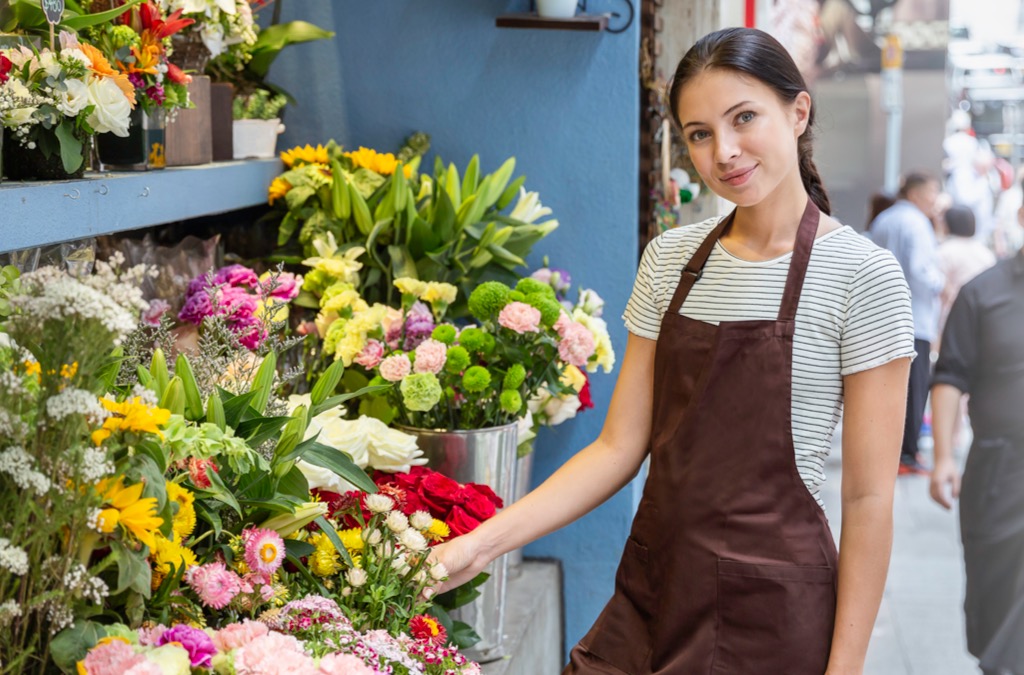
(305, 155)
(378, 162)
(185, 518)
(279, 187)
(126, 507)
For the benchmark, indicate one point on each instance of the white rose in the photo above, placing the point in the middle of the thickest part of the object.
(19, 116)
(74, 99)
(112, 109)
(77, 55)
(559, 410)
(48, 62)
(324, 479)
(390, 450)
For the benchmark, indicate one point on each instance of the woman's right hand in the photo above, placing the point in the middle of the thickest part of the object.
(462, 557)
(945, 473)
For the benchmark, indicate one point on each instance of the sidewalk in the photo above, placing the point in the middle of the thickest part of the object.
(920, 624)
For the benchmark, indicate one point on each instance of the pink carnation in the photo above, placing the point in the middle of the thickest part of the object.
(157, 308)
(112, 658)
(371, 355)
(344, 664)
(287, 286)
(563, 322)
(430, 357)
(144, 668)
(237, 635)
(150, 637)
(392, 324)
(520, 317)
(395, 367)
(274, 654)
(577, 345)
(215, 585)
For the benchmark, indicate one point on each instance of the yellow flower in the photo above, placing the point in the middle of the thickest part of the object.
(325, 560)
(342, 301)
(69, 371)
(342, 265)
(168, 555)
(410, 286)
(305, 155)
(437, 291)
(349, 347)
(33, 368)
(185, 519)
(352, 539)
(279, 187)
(574, 377)
(133, 415)
(382, 163)
(439, 531)
(129, 509)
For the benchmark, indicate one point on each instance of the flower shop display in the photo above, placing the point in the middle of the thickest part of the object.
(138, 43)
(446, 228)
(53, 102)
(222, 29)
(257, 124)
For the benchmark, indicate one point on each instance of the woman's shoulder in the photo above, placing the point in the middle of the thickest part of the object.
(683, 240)
(848, 248)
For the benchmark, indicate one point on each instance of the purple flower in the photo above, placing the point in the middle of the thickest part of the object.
(137, 80)
(419, 324)
(196, 642)
(237, 303)
(156, 92)
(236, 275)
(197, 307)
(286, 286)
(200, 283)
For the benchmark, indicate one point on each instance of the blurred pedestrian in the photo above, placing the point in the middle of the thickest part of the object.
(905, 228)
(961, 256)
(1009, 235)
(983, 355)
(879, 202)
(969, 184)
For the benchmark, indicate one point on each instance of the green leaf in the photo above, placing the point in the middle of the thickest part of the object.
(471, 179)
(313, 581)
(332, 534)
(132, 570)
(297, 196)
(273, 505)
(235, 406)
(70, 147)
(273, 39)
(340, 463)
(287, 228)
(193, 399)
(210, 515)
(510, 193)
(335, 401)
(505, 256)
(292, 435)
(361, 211)
(444, 218)
(452, 185)
(71, 644)
(402, 263)
(399, 192)
(107, 373)
(219, 491)
(294, 484)
(463, 635)
(259, 429)
(298, 549)
(77, 23)
(263, 382)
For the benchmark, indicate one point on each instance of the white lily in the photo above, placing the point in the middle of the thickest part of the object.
(528, 208)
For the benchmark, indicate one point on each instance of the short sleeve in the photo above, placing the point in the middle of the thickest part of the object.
(879, 324)
(959, 352)
(643, 312)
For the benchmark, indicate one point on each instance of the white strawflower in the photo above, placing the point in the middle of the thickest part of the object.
(397, 522)
(438, 572)
(12, 558)
(372, 538)
(413, 540)
(399, 562)
(356, 577)
(377, 503)
(420, 577)
(421, 520)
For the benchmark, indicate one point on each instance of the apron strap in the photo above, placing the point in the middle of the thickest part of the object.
(806, 233)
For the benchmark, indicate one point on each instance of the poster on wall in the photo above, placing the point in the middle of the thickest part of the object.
(834, 38)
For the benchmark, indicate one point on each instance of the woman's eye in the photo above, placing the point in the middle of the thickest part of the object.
(698, 136)
(745, 117)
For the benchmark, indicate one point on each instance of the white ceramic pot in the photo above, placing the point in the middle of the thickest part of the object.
(556, 9)
(255, 138)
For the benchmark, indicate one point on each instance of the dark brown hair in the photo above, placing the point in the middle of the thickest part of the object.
(759, 55)
(879, 202)
(960, 221)
(915, 179)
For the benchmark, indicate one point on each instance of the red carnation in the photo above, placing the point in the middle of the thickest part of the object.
(426, 628)
(5, 68)
(586, 402)
(197, 468)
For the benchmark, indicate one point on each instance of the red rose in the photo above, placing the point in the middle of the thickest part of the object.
(5, 68)
(477, 504)
(586, 401)
(439, 492)
(460, 522)
(486, 491)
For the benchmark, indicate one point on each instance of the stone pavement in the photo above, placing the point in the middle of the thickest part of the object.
(920, 628)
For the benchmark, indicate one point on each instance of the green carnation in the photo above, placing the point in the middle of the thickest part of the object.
(445, 333)
(476, 379)
(316, 281)
(488, 299)
(529, 286)
(473, 339)
(511, 402)
(457, 360)
(421, 391)
(335, 332)
(514, 378)
(550, 309)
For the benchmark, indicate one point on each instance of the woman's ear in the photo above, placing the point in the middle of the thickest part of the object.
(802, 111)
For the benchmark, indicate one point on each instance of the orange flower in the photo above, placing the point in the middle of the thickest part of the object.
(102, 68)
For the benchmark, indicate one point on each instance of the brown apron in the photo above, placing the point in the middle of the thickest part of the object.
(730, 567)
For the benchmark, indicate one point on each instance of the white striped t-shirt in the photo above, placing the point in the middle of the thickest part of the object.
(854, 314)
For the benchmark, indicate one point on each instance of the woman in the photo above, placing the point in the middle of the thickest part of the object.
(741, 352)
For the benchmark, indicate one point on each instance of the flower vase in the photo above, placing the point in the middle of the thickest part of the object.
(524, 476)
(556, 9)
(144, 147)
(256, 138)
(484, 456)
(23, 163)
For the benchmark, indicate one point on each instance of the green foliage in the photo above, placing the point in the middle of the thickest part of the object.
(260, 105)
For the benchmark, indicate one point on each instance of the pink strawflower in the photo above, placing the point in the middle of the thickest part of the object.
(520, 317)
(344, 664)
(577, 345)
(264, 550)
(215, 585)
(111, 658)
(564, 321)
(430, 357)
(273, 654)
(196, 642)
(395, 368)
(238, 635)
(371, 355)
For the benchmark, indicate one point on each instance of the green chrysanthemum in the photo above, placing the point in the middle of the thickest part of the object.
(476, 379)
(514, 378)
(488, 299)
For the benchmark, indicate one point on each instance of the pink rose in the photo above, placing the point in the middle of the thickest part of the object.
(371, 355)
(274, 654)
(520, 317)
(395, 367)
(430, 357)
(344, 664)
(577, 345)
(237, 635)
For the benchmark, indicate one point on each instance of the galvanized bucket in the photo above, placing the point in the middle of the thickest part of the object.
(485, 456)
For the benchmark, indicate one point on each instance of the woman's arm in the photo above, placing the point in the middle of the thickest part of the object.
(874, 411)
(945, 408)
(585, 481)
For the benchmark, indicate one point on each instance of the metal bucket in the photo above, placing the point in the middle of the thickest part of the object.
(485, 456)
(524, 475)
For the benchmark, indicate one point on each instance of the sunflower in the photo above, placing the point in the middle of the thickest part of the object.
(305, 155)
(381, 163)
(185, 518)
(133, 415)
(277, 190)
(125, 506)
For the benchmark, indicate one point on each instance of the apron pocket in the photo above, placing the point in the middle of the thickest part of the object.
(621, 636)
(774, 618)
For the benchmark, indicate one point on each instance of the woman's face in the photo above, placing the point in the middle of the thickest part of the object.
(742, 138)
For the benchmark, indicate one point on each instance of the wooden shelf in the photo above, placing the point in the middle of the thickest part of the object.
(38, 213)
(591, 23)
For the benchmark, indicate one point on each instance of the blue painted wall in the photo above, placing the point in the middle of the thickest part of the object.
(565, 104)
